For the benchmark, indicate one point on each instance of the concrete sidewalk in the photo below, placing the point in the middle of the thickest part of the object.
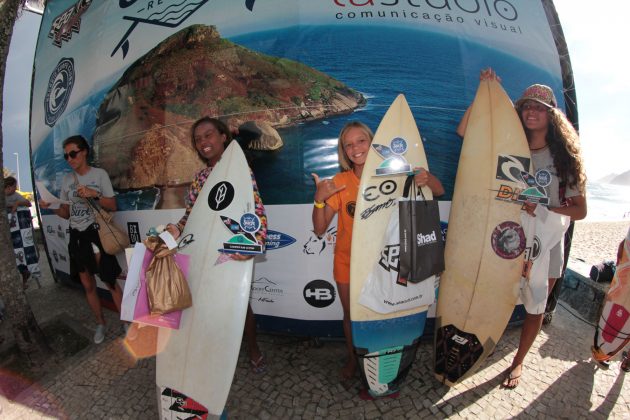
(103, 381)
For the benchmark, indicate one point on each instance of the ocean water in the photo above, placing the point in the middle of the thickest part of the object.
(380, 62)
(607, 202)
(437, 73)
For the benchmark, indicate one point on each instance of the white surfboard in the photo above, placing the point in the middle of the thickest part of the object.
(385, 343)
(199, 359)
(485, 242)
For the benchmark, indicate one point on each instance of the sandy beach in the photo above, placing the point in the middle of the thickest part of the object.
(594, 242)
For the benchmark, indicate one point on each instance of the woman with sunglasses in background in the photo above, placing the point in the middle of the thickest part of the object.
(87, 256)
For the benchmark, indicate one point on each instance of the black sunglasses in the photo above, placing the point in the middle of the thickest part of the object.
(72, 154)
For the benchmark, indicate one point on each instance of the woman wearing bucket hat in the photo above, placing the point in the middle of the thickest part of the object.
(555, 150)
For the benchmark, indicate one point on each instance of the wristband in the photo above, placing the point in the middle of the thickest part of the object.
(319, 204)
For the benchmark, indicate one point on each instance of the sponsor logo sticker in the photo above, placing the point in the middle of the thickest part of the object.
(243, 240)
(543, 177)
(509, 167)
(221, 196)
(393, 160)
(508, 240)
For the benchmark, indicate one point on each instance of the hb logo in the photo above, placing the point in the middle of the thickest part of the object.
(319, 293)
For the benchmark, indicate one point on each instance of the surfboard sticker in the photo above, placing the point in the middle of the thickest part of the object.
(456, 352)
(386, 369)
(508, 240)
(221, 196)
(510, 168)
(176, 405)
(243, 240)
(394, 163)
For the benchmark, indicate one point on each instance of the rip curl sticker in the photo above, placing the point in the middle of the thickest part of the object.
(508, 240)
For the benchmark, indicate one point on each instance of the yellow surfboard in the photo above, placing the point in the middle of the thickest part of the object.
(485, 242)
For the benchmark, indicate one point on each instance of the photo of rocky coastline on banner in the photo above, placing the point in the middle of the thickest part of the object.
(131, 81)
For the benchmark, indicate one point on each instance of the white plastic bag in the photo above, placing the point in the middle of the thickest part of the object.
(383, 292)
(132, 283)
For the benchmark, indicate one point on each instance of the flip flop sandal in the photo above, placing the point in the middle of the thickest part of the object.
(625, 363)
(258, 366)
(603, 364)
(509, 378)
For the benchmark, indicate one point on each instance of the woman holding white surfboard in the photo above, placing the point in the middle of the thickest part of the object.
(338, 196)
(210, 138)
(556, 157)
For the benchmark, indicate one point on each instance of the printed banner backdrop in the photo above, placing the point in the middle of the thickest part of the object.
(286, 75)
(21, 229)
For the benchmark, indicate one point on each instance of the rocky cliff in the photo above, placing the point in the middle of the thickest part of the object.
(142, 136)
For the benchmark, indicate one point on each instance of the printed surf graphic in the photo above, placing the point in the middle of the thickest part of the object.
(243, 240)
(394, 162)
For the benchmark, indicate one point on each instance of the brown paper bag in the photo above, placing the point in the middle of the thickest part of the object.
(167, 288)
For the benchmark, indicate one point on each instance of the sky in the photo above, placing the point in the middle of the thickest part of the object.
(594, 36)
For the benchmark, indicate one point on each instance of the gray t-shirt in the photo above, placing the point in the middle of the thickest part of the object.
(81, 215)
(543, 161)
(14, 198)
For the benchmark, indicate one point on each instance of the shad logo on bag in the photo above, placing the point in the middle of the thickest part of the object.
(429, 238)
(59, 89)
(165, 13)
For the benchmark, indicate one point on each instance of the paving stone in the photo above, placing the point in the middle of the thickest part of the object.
(302, 381)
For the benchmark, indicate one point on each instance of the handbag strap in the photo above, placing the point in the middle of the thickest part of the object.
(96, 208)
(412, 189)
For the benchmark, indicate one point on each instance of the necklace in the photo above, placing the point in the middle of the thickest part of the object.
(539, 148)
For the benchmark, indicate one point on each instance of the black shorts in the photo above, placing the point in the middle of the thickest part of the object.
(82, 256)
